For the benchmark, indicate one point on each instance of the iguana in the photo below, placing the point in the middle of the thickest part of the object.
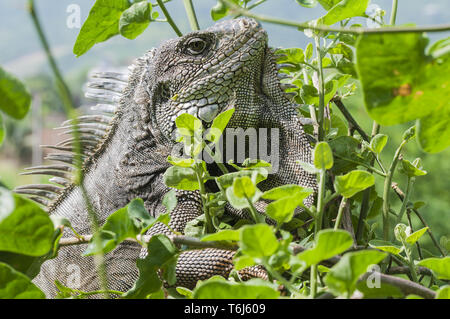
(125, 147)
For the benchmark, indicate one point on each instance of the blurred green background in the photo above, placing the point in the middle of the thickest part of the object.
(21, 54)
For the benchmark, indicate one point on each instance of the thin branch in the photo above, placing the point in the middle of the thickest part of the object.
(401, 195)
(70, 113)
(406, 286)
(169, 18)
(337, 100)
(190, 11)
(235, 9)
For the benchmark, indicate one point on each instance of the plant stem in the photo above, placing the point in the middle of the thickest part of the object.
(253, 211)
(169, 18)
(302, 26)
(203, 195)
(69, 109)
(370, 168)
(393, 12)
(419, 250)
(387, 186)
(406, 199)
(317, 228)
(320, 89)
(313, 282)
(338, 102)
(340, 213)
(217, 158)
(189, 7)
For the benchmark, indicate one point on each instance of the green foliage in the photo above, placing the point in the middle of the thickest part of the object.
(398, 78)
(328, 244)
(439, 266)
(342, 277)
(162, 255)
(16, 285)
(353, 182)
(135, 19)
(24, 227)
(101, 24)
(127, 222)
(15, 100)
(218, 288)
(343, 10)
(323, 156)
(258, 240)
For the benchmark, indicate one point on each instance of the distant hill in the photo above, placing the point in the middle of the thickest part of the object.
(20, 51)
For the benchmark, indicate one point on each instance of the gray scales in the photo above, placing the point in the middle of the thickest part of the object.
(125, 146)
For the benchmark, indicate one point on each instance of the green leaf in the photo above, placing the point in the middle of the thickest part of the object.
(138, 214)
(24, 227)
(443, 292)
(401, 232)
(101, 24)
(348, 154)
(410, 169)
(227, 234)
(293, 55)
(188, 124)
(182, 178)
(343, 49)
(221, 289)
(288, 190)
(439, 266)
(323, 157)
(349, 184)
(329, 243)
(15, 285)
(14, 97)
(161, 254)
(218, 125)
(378, 142)
(343, 10)
(385, 246)
(170, 200)
(257, 175)
(310, 95)
(433, 130)
(282, 210)
(342, 278)
(258, 240)
(220, 10)
(135, 19)
(126, 222)
(243, 187)
(398, 79)
(411, 239)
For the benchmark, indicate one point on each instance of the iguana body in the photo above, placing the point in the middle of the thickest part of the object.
(202, 73)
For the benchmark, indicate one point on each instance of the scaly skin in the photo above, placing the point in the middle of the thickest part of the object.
(202, 73)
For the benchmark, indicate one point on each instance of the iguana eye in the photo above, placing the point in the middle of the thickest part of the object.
(196, 46)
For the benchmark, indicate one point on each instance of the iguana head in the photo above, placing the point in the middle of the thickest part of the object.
(205, 72)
